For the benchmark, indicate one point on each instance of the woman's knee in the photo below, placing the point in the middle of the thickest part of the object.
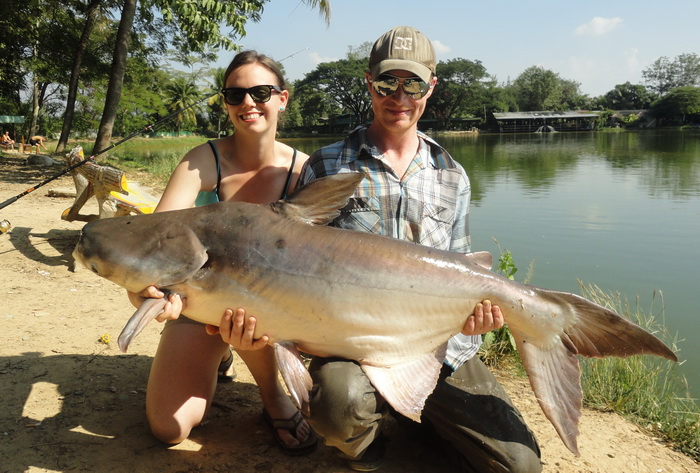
(168, 430)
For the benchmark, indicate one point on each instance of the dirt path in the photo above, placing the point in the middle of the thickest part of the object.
(70, 403)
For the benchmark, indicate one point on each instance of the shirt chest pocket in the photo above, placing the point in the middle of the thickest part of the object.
(430, 225)
(361, 214)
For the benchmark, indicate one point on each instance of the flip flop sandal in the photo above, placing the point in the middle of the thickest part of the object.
(226, 372)
(290, 425)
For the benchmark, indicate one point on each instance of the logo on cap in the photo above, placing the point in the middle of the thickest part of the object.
(403, 43)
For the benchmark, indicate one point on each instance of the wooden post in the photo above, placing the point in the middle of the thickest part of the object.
(92, 179)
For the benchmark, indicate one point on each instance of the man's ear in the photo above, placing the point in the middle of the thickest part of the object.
(433, 82)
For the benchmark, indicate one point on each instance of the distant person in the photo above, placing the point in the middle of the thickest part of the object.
(7, 141)
(38, 141)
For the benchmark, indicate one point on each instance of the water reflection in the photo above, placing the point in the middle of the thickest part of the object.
(667, 164)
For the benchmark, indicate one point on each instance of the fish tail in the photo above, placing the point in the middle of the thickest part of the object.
(600, 332)
(554, 371)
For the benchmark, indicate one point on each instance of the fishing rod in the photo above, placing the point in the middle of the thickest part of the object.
(292, 55)
(92, 158)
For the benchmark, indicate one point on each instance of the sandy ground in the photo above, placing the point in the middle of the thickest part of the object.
(71, 403)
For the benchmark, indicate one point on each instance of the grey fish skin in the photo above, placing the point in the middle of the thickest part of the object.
(389, 304)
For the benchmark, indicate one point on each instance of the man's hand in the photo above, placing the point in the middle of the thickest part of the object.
(238, 331)
(173, 308)
(486, 317)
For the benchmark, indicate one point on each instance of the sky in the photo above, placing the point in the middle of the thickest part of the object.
(597, 43)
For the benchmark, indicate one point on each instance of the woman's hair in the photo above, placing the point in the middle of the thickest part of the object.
(253, 57)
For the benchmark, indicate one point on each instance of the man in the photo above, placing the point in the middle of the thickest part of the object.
(414, 191)
(38, 141)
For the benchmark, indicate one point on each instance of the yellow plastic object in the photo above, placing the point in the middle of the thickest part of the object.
(137, 199)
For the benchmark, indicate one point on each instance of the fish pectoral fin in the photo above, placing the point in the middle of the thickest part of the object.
(406, 386)
(319, 201)
(149, 310)
(555, 378)
(294, 373)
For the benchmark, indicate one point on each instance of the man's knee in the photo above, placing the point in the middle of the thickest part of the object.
(524, 460)
(343, 402)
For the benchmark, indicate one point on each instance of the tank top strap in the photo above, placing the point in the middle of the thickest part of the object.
(218, 167)
(289, 175)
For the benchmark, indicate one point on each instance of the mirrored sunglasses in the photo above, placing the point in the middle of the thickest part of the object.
(386, 84)
(259, 94)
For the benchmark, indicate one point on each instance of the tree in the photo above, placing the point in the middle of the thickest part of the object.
(459, 90)
(217, 107)
(116, 77)
(541, 89)
(680, 105)
(627, 97)
(181, 93)
(342, 82)
(664, 75)
(144, 96)
(571, 97)
(313, 103)
(91, 13)
(537, 89)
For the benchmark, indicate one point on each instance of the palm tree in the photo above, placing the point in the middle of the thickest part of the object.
(182, 93)
(216, 101)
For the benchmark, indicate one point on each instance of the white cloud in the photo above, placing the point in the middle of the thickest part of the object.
(440, 48)
(598, 26)
(317, 59)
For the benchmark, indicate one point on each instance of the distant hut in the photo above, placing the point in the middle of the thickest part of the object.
(545, 122)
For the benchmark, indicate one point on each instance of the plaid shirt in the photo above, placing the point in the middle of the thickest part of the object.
(429, 205)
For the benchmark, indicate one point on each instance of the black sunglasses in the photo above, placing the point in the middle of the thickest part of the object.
(259, 94)
(386, 84)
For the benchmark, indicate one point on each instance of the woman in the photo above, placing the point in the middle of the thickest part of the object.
(249, 166)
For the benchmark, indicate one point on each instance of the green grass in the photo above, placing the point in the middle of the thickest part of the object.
(646, 389)
(155, 156)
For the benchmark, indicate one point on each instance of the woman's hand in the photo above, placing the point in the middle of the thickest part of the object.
(238, 331)
(486, 317)
(173, 308)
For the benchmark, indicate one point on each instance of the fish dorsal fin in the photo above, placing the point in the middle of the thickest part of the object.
(294, 373)
(406, 386)
(481, 258)
(319, 201)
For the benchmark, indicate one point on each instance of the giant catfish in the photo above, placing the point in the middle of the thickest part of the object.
(391, 305)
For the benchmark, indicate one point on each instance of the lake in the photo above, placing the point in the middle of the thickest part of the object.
(620, 210)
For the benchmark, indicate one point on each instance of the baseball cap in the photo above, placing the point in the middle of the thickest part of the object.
(404, 48)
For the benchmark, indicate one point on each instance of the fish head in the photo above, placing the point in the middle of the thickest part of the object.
(138, 251)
